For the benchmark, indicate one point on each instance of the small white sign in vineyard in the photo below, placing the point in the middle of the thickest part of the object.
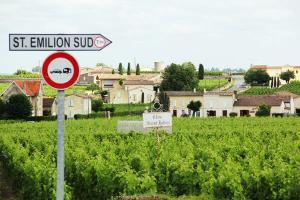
(157, 119)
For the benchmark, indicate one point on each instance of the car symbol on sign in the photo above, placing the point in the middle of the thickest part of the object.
(56, 71)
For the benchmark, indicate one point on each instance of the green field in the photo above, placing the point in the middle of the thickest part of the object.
(30, 75)
(215, 158)
(3, 87)
(211, 84)
(49, 91)
(293, 87)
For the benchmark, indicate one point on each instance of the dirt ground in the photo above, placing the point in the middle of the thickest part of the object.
(6, 191)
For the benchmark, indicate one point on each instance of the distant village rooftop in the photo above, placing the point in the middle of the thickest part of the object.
(272, 100)
(196, 93)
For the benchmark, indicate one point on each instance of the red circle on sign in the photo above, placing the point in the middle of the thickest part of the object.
(99, 46)
(54, 84)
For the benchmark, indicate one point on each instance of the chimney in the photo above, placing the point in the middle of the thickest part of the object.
(235, 95)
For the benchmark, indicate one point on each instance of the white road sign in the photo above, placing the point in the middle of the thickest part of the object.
(57, 42)
(157, 119)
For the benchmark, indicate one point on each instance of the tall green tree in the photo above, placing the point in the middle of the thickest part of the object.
(128, 69)
(120, 69)
(138, 70)
(287, 76)
(257, 77)
(21, 71)
(263, 110)
(97, 105)
(113, 71)
(93, 87)
(179, 78)
(18, 106)
(201, 72)
(194, 106)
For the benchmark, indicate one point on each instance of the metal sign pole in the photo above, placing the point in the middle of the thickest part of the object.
(60, 145)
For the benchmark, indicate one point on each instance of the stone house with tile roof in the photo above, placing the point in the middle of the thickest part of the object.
(248, 105)
(217, 104)
(133, 91)
(33, 89)
(275, 71)
(74, 104)
(221, 104)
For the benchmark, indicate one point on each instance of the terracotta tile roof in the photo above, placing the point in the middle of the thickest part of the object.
(79, 95)
(259, 67)
(272, 100)
(219, 93)
(138, 82)
(289, 94)
(109, 77)
(29, 87)
(47, 102)
(197, 93)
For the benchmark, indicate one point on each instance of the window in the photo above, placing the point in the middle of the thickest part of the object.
(244, 113)
(224, 113)
(175, 113)
(71, 103)
(108, 83)
(287, 105)
(149, 97)
(134, 97)
(211, 113)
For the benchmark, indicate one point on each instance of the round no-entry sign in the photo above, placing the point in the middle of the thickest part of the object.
(60, 70)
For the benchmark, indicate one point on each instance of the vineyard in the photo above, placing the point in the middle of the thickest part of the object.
(293, 87)
(211, 84)
(224, 158)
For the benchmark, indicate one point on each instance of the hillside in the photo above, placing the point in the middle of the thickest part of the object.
(293, 87)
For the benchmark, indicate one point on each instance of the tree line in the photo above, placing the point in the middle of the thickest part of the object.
(261, 77)
(121, 69)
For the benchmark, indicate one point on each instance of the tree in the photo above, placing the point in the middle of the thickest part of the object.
(179, 78)
(287, 76)
(21, 71)
(138, 70)
(201, 72)
(36, 69)
(18, 106)
(100, 64)
(259, 77)
(97, 105)
(2, 107)
(93, 87)
(120, 69)
(128, 69)
(194, 106)
(113, 71)
(263, 110)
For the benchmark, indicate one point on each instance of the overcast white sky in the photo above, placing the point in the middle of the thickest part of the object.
(217, 33)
